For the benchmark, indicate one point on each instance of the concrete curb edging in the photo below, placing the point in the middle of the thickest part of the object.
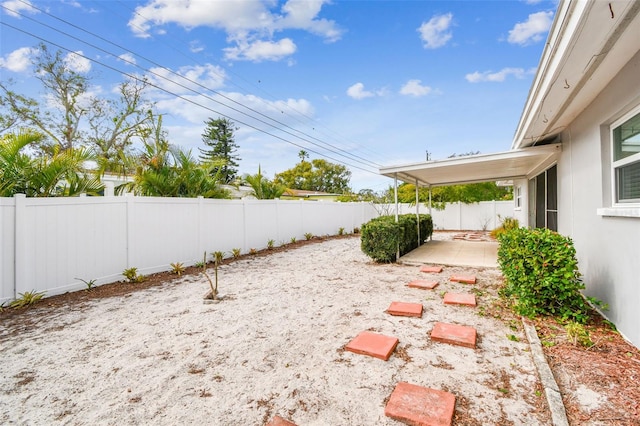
(551, 389)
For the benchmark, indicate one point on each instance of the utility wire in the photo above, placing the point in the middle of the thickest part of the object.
(334, 149)
(134, 77)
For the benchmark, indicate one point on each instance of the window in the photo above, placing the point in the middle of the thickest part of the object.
(518, 196)
(626, 159)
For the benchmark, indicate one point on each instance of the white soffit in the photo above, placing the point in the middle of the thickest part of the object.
(518, 163)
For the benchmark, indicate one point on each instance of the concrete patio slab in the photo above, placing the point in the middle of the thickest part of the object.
(372, 344)
(454, 253)
(417, 405)
(423, 284)
(453, 334)
(405, 309)
(466, 299)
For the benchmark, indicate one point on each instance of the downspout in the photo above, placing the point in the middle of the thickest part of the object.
(395, 195)
(418, 213)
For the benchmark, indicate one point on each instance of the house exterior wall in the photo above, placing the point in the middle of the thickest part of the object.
(608, 248)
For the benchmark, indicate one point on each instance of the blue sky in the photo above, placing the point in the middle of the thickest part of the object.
(365, 83)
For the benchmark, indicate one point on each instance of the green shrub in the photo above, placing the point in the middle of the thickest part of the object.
(508, 223)
(541, 272)
(382, 236)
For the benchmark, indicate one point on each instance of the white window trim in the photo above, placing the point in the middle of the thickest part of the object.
(517, 196)
(620, 209)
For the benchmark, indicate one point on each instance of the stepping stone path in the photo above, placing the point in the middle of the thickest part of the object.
(431, 269)
(405, 309)
(466, 279)
(423, 284)
(417, 405)
(372, 344)
(466, 299)
(279, 421)
(453, 334)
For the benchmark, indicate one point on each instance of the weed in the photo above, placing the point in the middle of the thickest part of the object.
(131, 274)
(217, 256)
(547, 343)
(27, 298)
(253, 251)
(177, 268)
(599, 304)
(503, 390)
(578, 333)
(293, 240)
(340, 231)
(90, 283)
(270, 244)
(513, 337)
(236, 253)
(538, 393)
(308, 236)
(199, 264)
(356, 230)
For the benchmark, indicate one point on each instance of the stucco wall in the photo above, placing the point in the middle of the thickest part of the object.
(608, 248)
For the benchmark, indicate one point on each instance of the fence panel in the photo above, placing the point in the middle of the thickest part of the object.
(7, 249)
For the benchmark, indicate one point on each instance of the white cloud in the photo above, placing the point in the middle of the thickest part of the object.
(435, 33)
(415, 88)
(15, 7)
(128, 58)
(259, 50)
(357, 92)
(76, 62)
(189, 78)
(18, 60)
(499, 76)
(195, 46)
(532, 30)
(249, 25)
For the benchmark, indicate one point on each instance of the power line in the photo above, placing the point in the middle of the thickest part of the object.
(307, 138)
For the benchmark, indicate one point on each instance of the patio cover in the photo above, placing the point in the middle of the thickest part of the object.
(517, 163)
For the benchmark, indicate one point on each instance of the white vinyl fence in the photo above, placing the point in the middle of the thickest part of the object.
(49, 244)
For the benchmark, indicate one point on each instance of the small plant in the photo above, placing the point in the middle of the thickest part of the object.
(270, 244)
(218, 256)
(253, 251)
(132, 276)
(356, 230)
(599, 304)
(90, 284)
(177, 268)
(199, 264)
(578, 334)
(27, 298)
(513, 337)
(293, 240)
(308, 236)
(235, 253)
(341, 231)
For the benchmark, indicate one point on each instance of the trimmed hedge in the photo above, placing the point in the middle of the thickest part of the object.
(382, 236)
(541, 272)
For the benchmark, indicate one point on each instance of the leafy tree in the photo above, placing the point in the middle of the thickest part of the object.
(77, 117)
(368, 195)
(59, 174)
(263, 188)
(218, 137)
(303, 155)
(317, 175)
(468, 193)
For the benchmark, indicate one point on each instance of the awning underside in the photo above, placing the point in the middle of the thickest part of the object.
(518, 163)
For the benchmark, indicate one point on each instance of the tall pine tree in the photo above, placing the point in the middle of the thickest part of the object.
(220, 145)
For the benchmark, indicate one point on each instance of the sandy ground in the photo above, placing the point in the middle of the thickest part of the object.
(275, 346)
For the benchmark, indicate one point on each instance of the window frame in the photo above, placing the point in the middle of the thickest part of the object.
(617, 164)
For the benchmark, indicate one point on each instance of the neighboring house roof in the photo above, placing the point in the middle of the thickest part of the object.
(589, 43)
(307, 194)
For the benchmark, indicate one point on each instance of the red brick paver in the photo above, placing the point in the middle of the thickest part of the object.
(423, 284)
(420, 406)
(466, 279)
(405, 309)
(279, 421)
(372, 344)
(460, 299)
(454, 334)
(433, 269)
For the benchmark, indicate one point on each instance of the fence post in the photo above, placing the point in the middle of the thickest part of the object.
(20, 279)
(130, 229)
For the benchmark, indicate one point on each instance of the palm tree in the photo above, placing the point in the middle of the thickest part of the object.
(61, 173)
(263, 188)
